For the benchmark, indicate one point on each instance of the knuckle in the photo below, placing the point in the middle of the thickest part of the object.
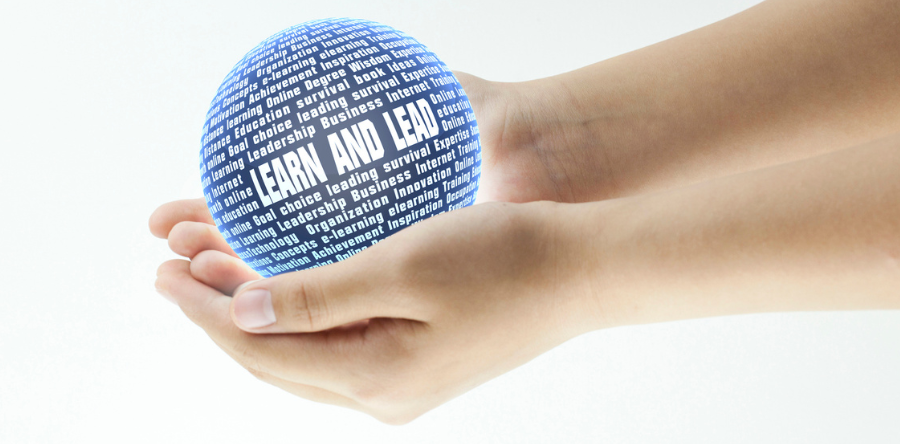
(307, 308)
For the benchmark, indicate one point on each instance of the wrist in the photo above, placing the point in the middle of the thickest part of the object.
(573, 236)
(621, 249)
(588, 137)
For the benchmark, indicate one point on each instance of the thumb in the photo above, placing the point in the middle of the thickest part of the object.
(317, 299)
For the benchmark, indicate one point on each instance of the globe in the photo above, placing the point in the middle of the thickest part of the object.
(330, 136)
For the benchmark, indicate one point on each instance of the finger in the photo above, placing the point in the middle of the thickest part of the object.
(189, 238)
(318, 299)
(321, 359)
(221, 271)
(168, 215)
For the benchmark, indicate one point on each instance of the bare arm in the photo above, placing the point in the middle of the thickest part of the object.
(782, 81)
(817, 234)
(458, 299)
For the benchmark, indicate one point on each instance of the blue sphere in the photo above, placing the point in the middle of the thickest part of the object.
(330, 136)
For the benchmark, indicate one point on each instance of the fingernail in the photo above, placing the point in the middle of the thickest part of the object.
(253, 309)
(241, 287)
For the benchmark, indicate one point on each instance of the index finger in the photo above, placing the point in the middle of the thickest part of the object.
(169, 214)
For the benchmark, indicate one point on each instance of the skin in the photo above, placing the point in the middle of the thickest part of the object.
(745, 167)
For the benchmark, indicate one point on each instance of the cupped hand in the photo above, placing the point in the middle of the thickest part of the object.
(401, 327)
(423, 316)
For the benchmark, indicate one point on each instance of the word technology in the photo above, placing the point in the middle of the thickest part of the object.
(330, 136)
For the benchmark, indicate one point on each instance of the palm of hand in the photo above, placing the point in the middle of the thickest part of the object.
(398, 329)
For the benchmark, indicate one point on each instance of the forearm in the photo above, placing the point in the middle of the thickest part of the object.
(782, 81)
(817, 234)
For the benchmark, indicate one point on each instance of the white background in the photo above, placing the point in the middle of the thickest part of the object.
(102, 104)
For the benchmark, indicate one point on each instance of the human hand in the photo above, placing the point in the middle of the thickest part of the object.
(514, 169)
(191, 233)
(403, 326)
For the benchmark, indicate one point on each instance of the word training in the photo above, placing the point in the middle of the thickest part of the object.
(330, 136)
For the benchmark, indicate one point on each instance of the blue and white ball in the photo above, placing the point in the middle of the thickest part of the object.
(331, 136)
